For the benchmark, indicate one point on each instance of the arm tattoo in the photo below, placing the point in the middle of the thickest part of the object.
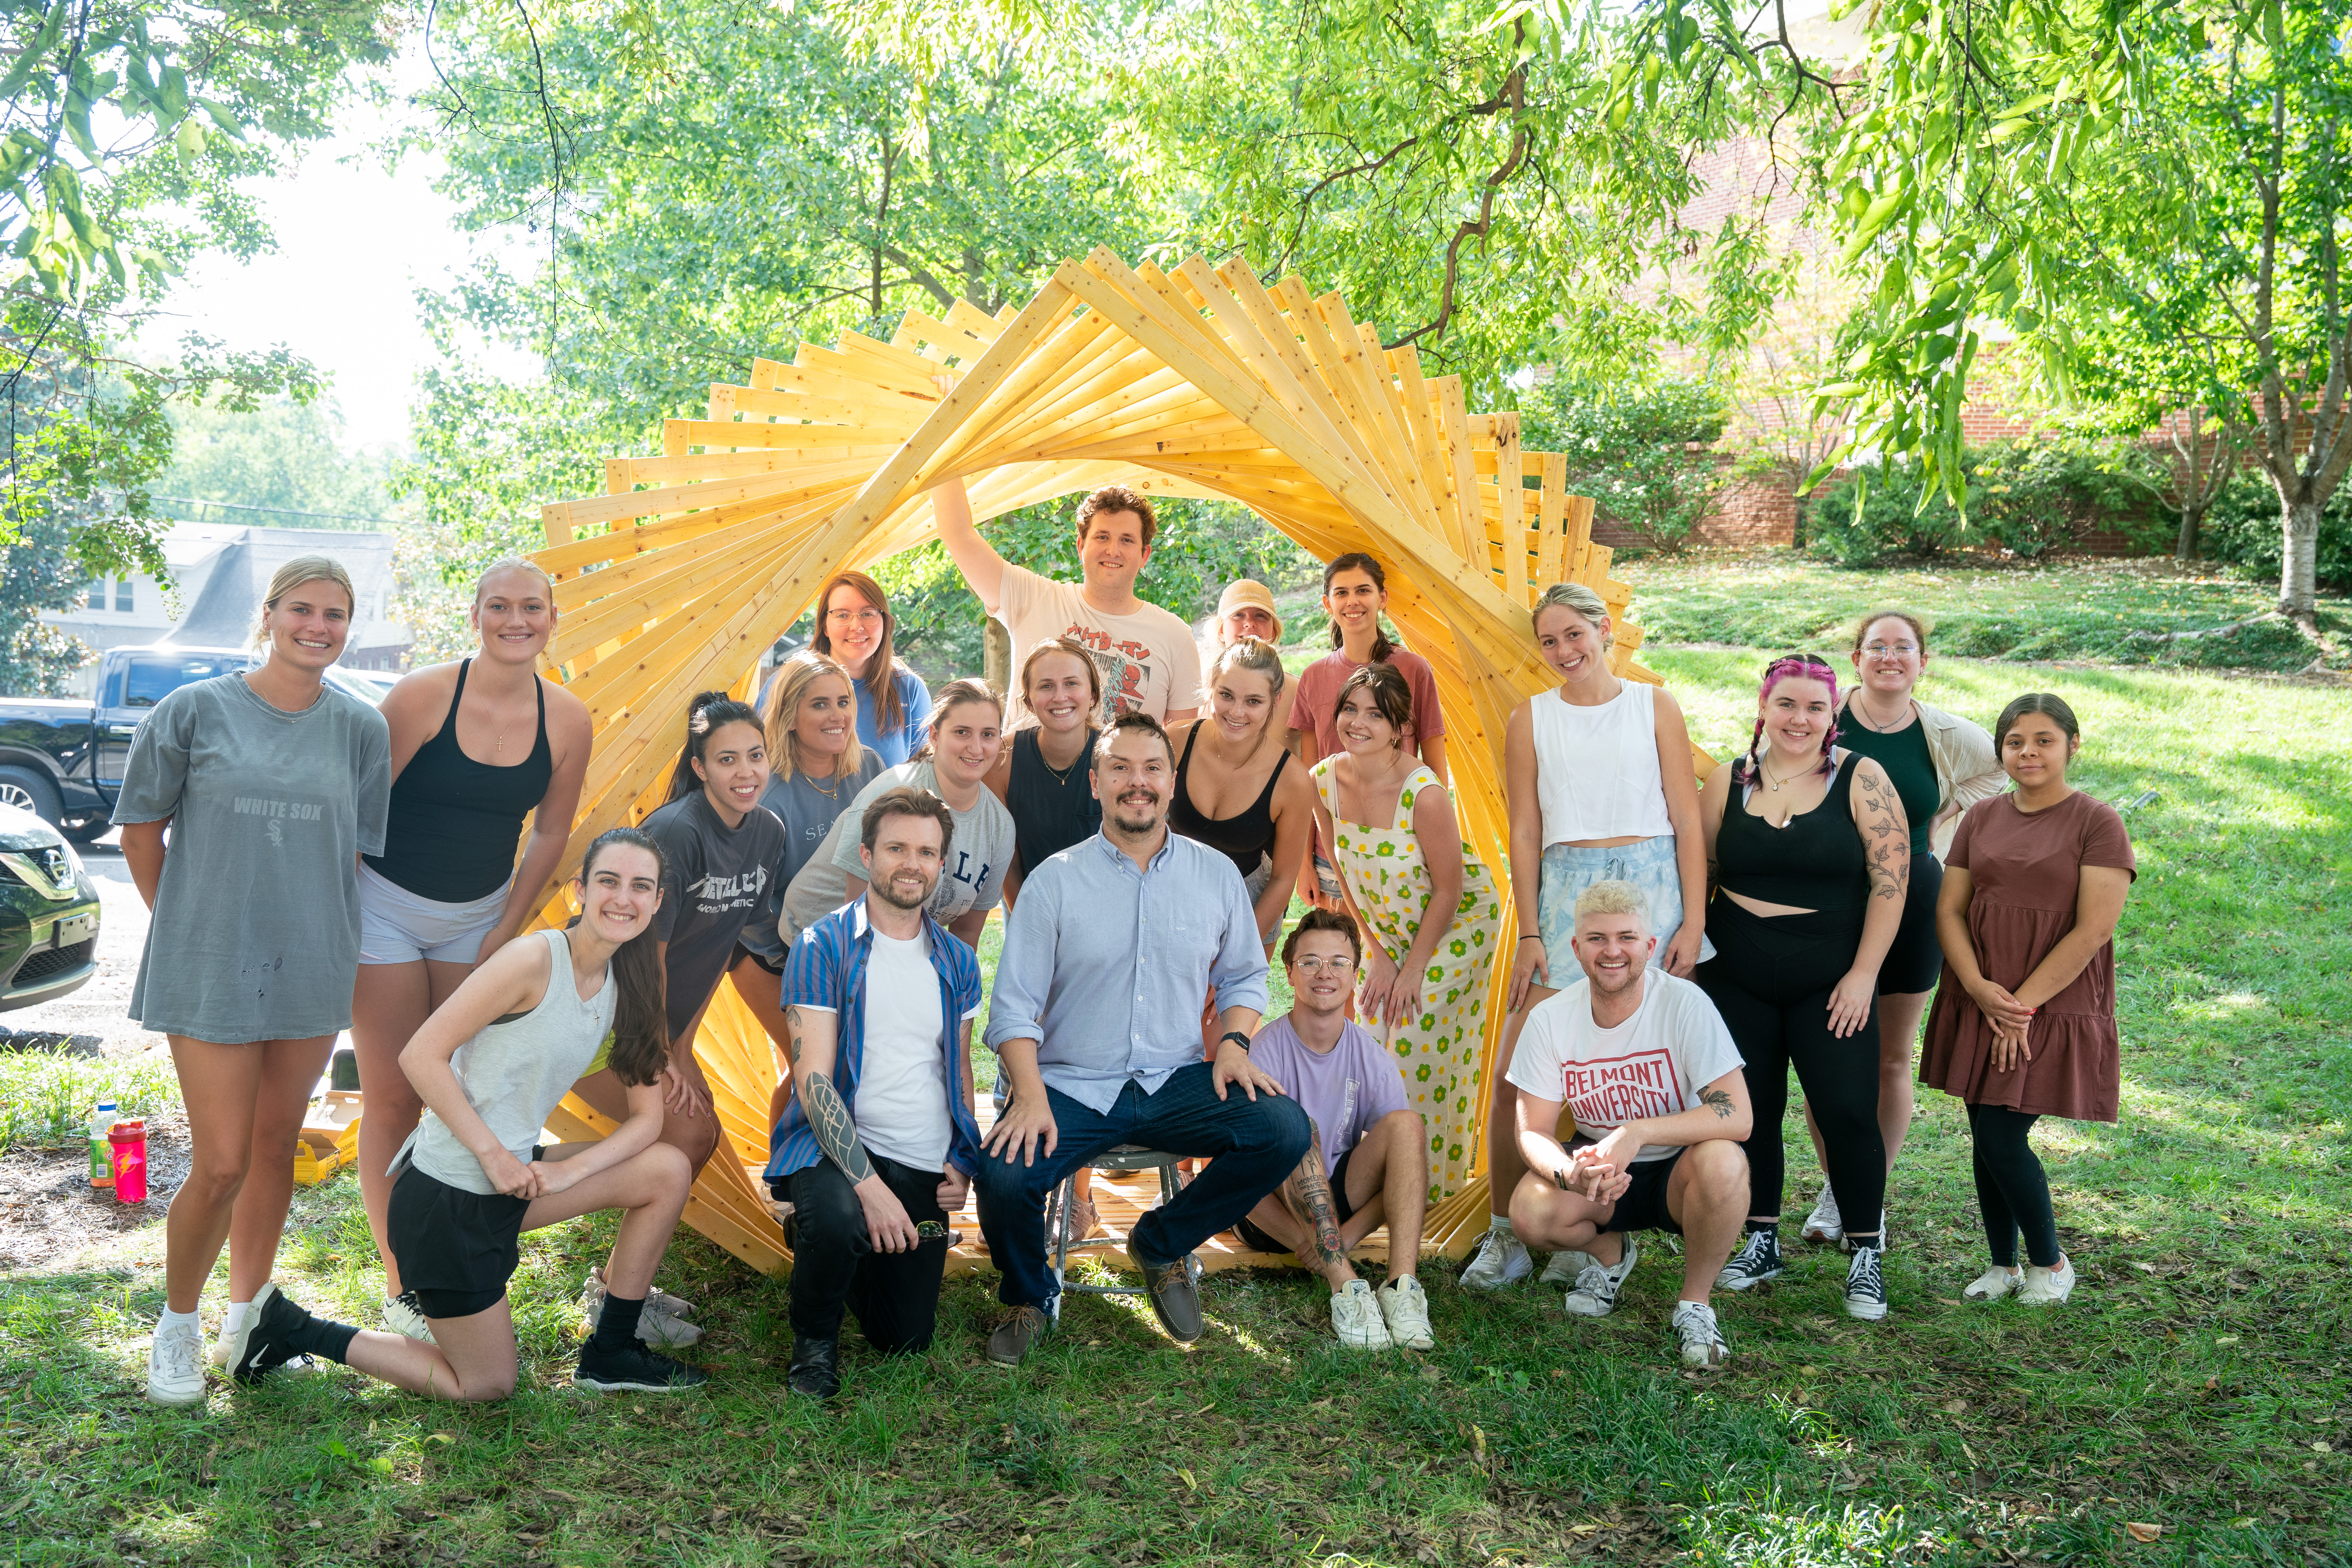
(1717, 1099)
(836, 1132)
(792, 1025)
(1887, 846)
(1308, 1195)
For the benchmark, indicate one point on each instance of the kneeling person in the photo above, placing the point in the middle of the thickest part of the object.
(1368, 1165)
(469, 1180)
(1653, 1082)
(876, 1146)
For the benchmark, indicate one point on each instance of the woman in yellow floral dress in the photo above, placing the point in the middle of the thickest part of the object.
(1399, 854)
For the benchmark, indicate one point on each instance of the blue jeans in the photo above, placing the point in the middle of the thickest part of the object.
(1251, 1146)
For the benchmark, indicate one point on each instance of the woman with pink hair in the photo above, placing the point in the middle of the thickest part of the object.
(1810, 856)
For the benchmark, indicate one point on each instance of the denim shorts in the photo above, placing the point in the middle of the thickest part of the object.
(1649, 865)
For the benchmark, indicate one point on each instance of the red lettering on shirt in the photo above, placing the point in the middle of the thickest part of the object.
(1612, 1090)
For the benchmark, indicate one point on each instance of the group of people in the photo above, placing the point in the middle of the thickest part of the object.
(1144, 808)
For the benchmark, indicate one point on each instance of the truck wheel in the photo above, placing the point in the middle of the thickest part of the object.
(88, 830)
(28, 791)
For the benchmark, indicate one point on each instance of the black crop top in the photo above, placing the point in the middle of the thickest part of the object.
(1245, 839)
(1815, 863)
(451, 833)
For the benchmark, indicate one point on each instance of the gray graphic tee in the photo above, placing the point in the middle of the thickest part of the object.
(255, 933)
(718, 880)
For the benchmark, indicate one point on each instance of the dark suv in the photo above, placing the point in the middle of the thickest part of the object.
(48, 913)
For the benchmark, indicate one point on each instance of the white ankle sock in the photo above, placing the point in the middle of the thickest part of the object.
(234, 1319)
(1501, 1222)
(171, 1320)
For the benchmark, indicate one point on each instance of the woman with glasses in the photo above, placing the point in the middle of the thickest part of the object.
(1811, 853)
(1940, 765)
(855, 629)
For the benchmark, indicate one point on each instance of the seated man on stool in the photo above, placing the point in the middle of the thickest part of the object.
(1369, 1165)
(1096, 1023)
(1653, 1083)
(879, 1138)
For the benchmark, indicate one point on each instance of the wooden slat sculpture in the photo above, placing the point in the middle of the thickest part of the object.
(1202, 383)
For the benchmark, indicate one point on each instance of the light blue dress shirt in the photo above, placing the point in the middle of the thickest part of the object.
(1106, 967)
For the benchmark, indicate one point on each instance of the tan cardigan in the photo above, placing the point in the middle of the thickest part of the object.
(1967, 769)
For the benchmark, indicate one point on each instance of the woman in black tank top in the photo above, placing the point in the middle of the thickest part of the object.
(1043, 776)
(1810, 853)
(476, 746)
(1232, 757)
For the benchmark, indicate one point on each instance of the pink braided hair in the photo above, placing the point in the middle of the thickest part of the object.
(1789, 667)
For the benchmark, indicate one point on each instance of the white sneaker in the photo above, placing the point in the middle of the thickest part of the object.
(1566, 1268)
(1991, 1284)
(1595, 1295)
(2048, 1287)
(1356, 1318)
(663, 1321)
(1700, 1337)
(1825, 1223)
(1865, 1285)
(1405, 1306)
(176, 1366)
(403, 1316)
(1500, 1260)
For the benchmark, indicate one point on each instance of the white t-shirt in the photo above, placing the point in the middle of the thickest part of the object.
(1149, 661)
(1652, 1065)
(901, 1103)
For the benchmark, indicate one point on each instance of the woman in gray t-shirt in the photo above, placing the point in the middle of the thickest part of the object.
(272, 785)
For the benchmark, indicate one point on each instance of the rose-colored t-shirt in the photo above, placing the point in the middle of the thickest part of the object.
(1311, 712)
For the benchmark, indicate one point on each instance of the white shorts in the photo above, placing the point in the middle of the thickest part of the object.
(398, 927)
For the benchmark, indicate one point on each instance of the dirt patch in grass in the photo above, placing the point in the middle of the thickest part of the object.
(49, 1213)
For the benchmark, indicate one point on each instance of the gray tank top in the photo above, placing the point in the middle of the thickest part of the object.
(514, 1072)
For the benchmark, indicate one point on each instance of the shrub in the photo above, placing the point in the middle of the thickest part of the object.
(2243, 529)
(1876, 511)
(45, 1097)
(2027, 498)
(1646, 456)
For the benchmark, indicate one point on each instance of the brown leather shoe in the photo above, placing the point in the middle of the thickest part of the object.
(1017, 1335)
(1175, 1299)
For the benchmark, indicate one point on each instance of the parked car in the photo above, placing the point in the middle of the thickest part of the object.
(48, 913)
(61, 759)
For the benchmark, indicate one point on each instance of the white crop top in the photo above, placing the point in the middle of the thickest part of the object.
(1596, 768)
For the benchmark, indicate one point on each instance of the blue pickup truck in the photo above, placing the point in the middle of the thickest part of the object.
(62, 759)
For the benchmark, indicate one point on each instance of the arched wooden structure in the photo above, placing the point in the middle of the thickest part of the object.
(1202, 381)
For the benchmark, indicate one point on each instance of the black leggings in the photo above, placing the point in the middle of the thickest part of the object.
(2011, 1190)
(1771, 978)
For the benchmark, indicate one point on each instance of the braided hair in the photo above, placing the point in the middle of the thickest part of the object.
(1789, 667)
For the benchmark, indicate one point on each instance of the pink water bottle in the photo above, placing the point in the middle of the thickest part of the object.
(128, 1142)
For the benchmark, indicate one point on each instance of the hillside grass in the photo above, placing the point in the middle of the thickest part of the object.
(2200, 1380)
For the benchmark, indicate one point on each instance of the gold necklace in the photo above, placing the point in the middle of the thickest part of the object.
(833, 794)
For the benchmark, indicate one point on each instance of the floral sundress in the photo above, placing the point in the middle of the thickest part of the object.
(1439, 1050)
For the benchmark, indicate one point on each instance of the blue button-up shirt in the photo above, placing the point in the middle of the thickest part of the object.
(1106, 966)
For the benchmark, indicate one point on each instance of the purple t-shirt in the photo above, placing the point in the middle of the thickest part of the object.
(1346, 1089)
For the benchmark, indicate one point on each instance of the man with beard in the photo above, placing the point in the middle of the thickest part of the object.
(1658, 1099)
(876, 1146)
(1114, 943)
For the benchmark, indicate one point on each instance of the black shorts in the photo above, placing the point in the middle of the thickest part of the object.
(1915, 958)
(455, 1249)
(1341, 1212)
(742, 952)
(1643, 1206)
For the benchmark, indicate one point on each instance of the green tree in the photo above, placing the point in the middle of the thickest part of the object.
(284, 465)
(1645, 455)
(38, 572)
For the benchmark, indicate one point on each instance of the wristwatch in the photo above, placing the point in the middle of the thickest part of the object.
(1237, 1037)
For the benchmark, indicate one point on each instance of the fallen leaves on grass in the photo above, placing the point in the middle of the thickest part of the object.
(2144, 1533)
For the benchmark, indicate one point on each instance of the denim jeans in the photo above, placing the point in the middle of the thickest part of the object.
(1252, 1146)
(896, 1295)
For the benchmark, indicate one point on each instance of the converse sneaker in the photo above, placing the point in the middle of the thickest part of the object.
(663, 1323)
(1848, 1242)
(635, 1369)
(1825, 1223)
(1700, 1337)
(175, 1365)
(1758, 1259)
(1566, 1268)
(1595, 1295)
(1865, 1285)
(1991, 1284)
(402, 1315)
(1405, 1306)
(1356, 1318)
(2048, 1287)
(1500, 1260)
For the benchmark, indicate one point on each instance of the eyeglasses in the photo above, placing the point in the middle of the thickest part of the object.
(1882, 649)
(1323, 965)
(866, 617)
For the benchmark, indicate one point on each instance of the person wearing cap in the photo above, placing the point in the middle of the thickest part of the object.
(1245, 609)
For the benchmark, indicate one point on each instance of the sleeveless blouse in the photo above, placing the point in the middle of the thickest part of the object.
(1596, 768)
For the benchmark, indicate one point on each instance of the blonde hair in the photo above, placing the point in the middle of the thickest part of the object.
(1253, 655)
(293, 575)
(1064, 644)
(516, 563)
(1582, 601)
(794, 677)
(1613, 898)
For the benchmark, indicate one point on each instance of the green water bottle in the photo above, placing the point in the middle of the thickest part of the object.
(101, 1153)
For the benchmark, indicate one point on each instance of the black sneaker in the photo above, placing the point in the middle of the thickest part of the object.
(1758, 1260)
(1865, 1285)
(269, 1323)
(816, 1368)
(634, 1370)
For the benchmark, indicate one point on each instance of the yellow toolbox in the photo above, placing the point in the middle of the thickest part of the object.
(330, 1136)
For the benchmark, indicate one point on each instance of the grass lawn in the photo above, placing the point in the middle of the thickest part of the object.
(2199, 1380)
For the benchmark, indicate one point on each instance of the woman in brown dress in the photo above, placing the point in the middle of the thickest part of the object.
(2024, 1024)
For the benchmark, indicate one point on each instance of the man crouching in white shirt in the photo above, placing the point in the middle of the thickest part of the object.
(1653, 1088)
